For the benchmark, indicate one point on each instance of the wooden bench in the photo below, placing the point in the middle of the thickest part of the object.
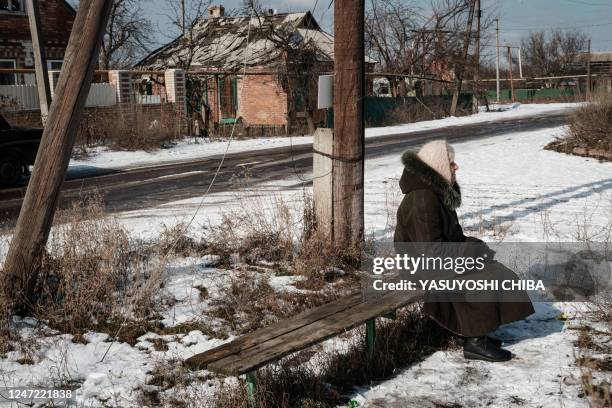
(254, 350)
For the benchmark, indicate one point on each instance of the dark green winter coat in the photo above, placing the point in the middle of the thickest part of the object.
(427, 214)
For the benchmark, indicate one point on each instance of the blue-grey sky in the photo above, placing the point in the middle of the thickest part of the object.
(517, 17)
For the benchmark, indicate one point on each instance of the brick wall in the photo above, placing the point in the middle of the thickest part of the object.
(56, 21)
(262, 101)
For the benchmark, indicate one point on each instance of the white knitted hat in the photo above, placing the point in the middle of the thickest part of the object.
(438, 155)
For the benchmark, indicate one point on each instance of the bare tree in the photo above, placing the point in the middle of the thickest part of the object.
(553, 54)
(249, 7)
(128, 35)
(406, 41)
(195, 11)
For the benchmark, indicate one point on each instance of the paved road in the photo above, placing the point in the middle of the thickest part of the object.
(152, 186)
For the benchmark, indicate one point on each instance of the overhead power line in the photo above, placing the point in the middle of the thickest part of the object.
(539, 28)
(585, 3)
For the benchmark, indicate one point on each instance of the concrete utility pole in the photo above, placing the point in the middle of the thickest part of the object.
(40, 61)
(464, 61)
(520, 61)
(497, 56)
(348, 146)
(510, 73)
(32, 231)
(589, 79)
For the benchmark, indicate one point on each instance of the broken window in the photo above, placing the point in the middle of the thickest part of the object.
(8, 79)
(228, 98)
(12, 5)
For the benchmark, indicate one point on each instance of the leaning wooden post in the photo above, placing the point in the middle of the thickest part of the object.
(40, 60)
(38, 208)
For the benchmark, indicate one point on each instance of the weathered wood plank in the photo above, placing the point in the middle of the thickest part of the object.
(202, 360)
(316, 332)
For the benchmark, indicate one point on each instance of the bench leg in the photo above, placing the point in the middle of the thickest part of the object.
(251, 386)
(370, 336)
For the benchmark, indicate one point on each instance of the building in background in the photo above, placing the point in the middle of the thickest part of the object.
(16, 50)
(270, 48)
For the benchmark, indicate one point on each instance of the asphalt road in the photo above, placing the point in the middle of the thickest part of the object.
(151, 186)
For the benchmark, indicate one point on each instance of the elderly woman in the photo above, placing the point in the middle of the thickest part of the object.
(427, 214)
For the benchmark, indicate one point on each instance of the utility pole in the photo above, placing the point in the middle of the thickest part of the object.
(510, 72)
(520, 63)
(424, 51)
(27, 247)
(466, 48)
(477, 70)
(348, 145)
(497, 56)
(40, 61)
(589, 80)
(183, 16)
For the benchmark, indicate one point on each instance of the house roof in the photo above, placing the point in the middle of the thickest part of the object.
(600, 56)
(221, 42)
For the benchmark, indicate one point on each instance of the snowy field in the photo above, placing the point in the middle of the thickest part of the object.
(512, 190)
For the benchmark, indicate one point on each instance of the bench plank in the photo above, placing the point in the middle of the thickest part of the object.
(202, 360)
(303, 337)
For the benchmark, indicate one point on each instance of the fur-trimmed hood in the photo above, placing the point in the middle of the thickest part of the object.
(419, 176)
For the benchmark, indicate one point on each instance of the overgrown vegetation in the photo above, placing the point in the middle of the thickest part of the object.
(132, 127)
(94, 275)
(589, 130)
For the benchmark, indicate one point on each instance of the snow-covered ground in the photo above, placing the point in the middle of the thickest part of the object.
(511, 188)
(196, 148)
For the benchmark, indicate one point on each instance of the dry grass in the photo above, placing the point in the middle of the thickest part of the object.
(135, 127)
(589, 130)
(595, 362)
(249, 303)
(94, 276)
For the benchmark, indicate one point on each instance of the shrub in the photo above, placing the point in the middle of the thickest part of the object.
(589, 130)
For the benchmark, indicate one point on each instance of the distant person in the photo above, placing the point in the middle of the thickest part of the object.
(427, 214)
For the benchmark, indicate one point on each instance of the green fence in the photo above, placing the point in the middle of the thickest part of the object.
(377, 109)
(531, 94)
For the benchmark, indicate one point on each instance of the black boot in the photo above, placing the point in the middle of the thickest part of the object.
(496, 342)
(482, 348)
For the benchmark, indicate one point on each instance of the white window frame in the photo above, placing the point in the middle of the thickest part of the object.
(51, 61)
(14, 61)
(21, 10)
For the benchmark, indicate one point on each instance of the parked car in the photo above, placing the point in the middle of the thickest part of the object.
(18, 147)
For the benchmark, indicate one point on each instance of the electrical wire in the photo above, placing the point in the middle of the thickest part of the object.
(212, 182)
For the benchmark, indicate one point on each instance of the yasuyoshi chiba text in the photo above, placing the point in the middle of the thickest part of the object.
(459, 285)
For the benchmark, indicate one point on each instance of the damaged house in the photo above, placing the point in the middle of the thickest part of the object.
(260, 70)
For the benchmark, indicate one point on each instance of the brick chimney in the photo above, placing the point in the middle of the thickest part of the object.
(216, 11)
